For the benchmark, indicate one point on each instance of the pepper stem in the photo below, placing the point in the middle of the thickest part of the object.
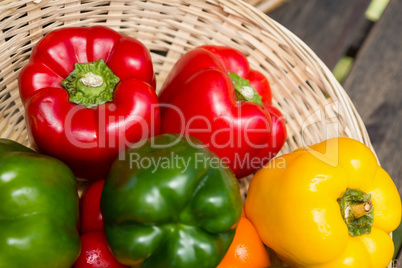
(92, 80)
(90, 84)
(357, 211)
(361, 209)
(243, 89)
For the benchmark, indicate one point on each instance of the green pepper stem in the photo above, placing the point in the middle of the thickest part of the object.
(92, 80)
(357, 211)
(90, 84)
(361, 209)
(244, 91)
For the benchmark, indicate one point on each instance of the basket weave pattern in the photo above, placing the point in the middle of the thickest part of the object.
(303, 88)
(266, 5)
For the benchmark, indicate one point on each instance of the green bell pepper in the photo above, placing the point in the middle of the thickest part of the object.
(170, 207)
(38, 209)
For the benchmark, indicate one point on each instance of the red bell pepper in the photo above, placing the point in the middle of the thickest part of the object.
(212, 94)
(91, 216)
(95, 252)
(88, 94)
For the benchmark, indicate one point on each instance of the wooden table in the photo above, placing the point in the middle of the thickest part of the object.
(334, 28)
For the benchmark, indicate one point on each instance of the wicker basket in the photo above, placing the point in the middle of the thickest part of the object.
(315, 105)
(266, 5)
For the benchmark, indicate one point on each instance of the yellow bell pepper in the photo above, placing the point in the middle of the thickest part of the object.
(328, 205)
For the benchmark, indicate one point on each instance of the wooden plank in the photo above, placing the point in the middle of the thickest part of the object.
(326, 26)
(375, 87)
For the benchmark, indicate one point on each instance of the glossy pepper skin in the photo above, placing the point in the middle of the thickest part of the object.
(182, 212)
(38, 209)
(247, 249)
(295, 205)
(88, 93)
(95, 252)
(209, 104)
(91, 216)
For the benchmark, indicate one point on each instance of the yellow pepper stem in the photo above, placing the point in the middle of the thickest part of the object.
(361, 209)
(357, 211)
